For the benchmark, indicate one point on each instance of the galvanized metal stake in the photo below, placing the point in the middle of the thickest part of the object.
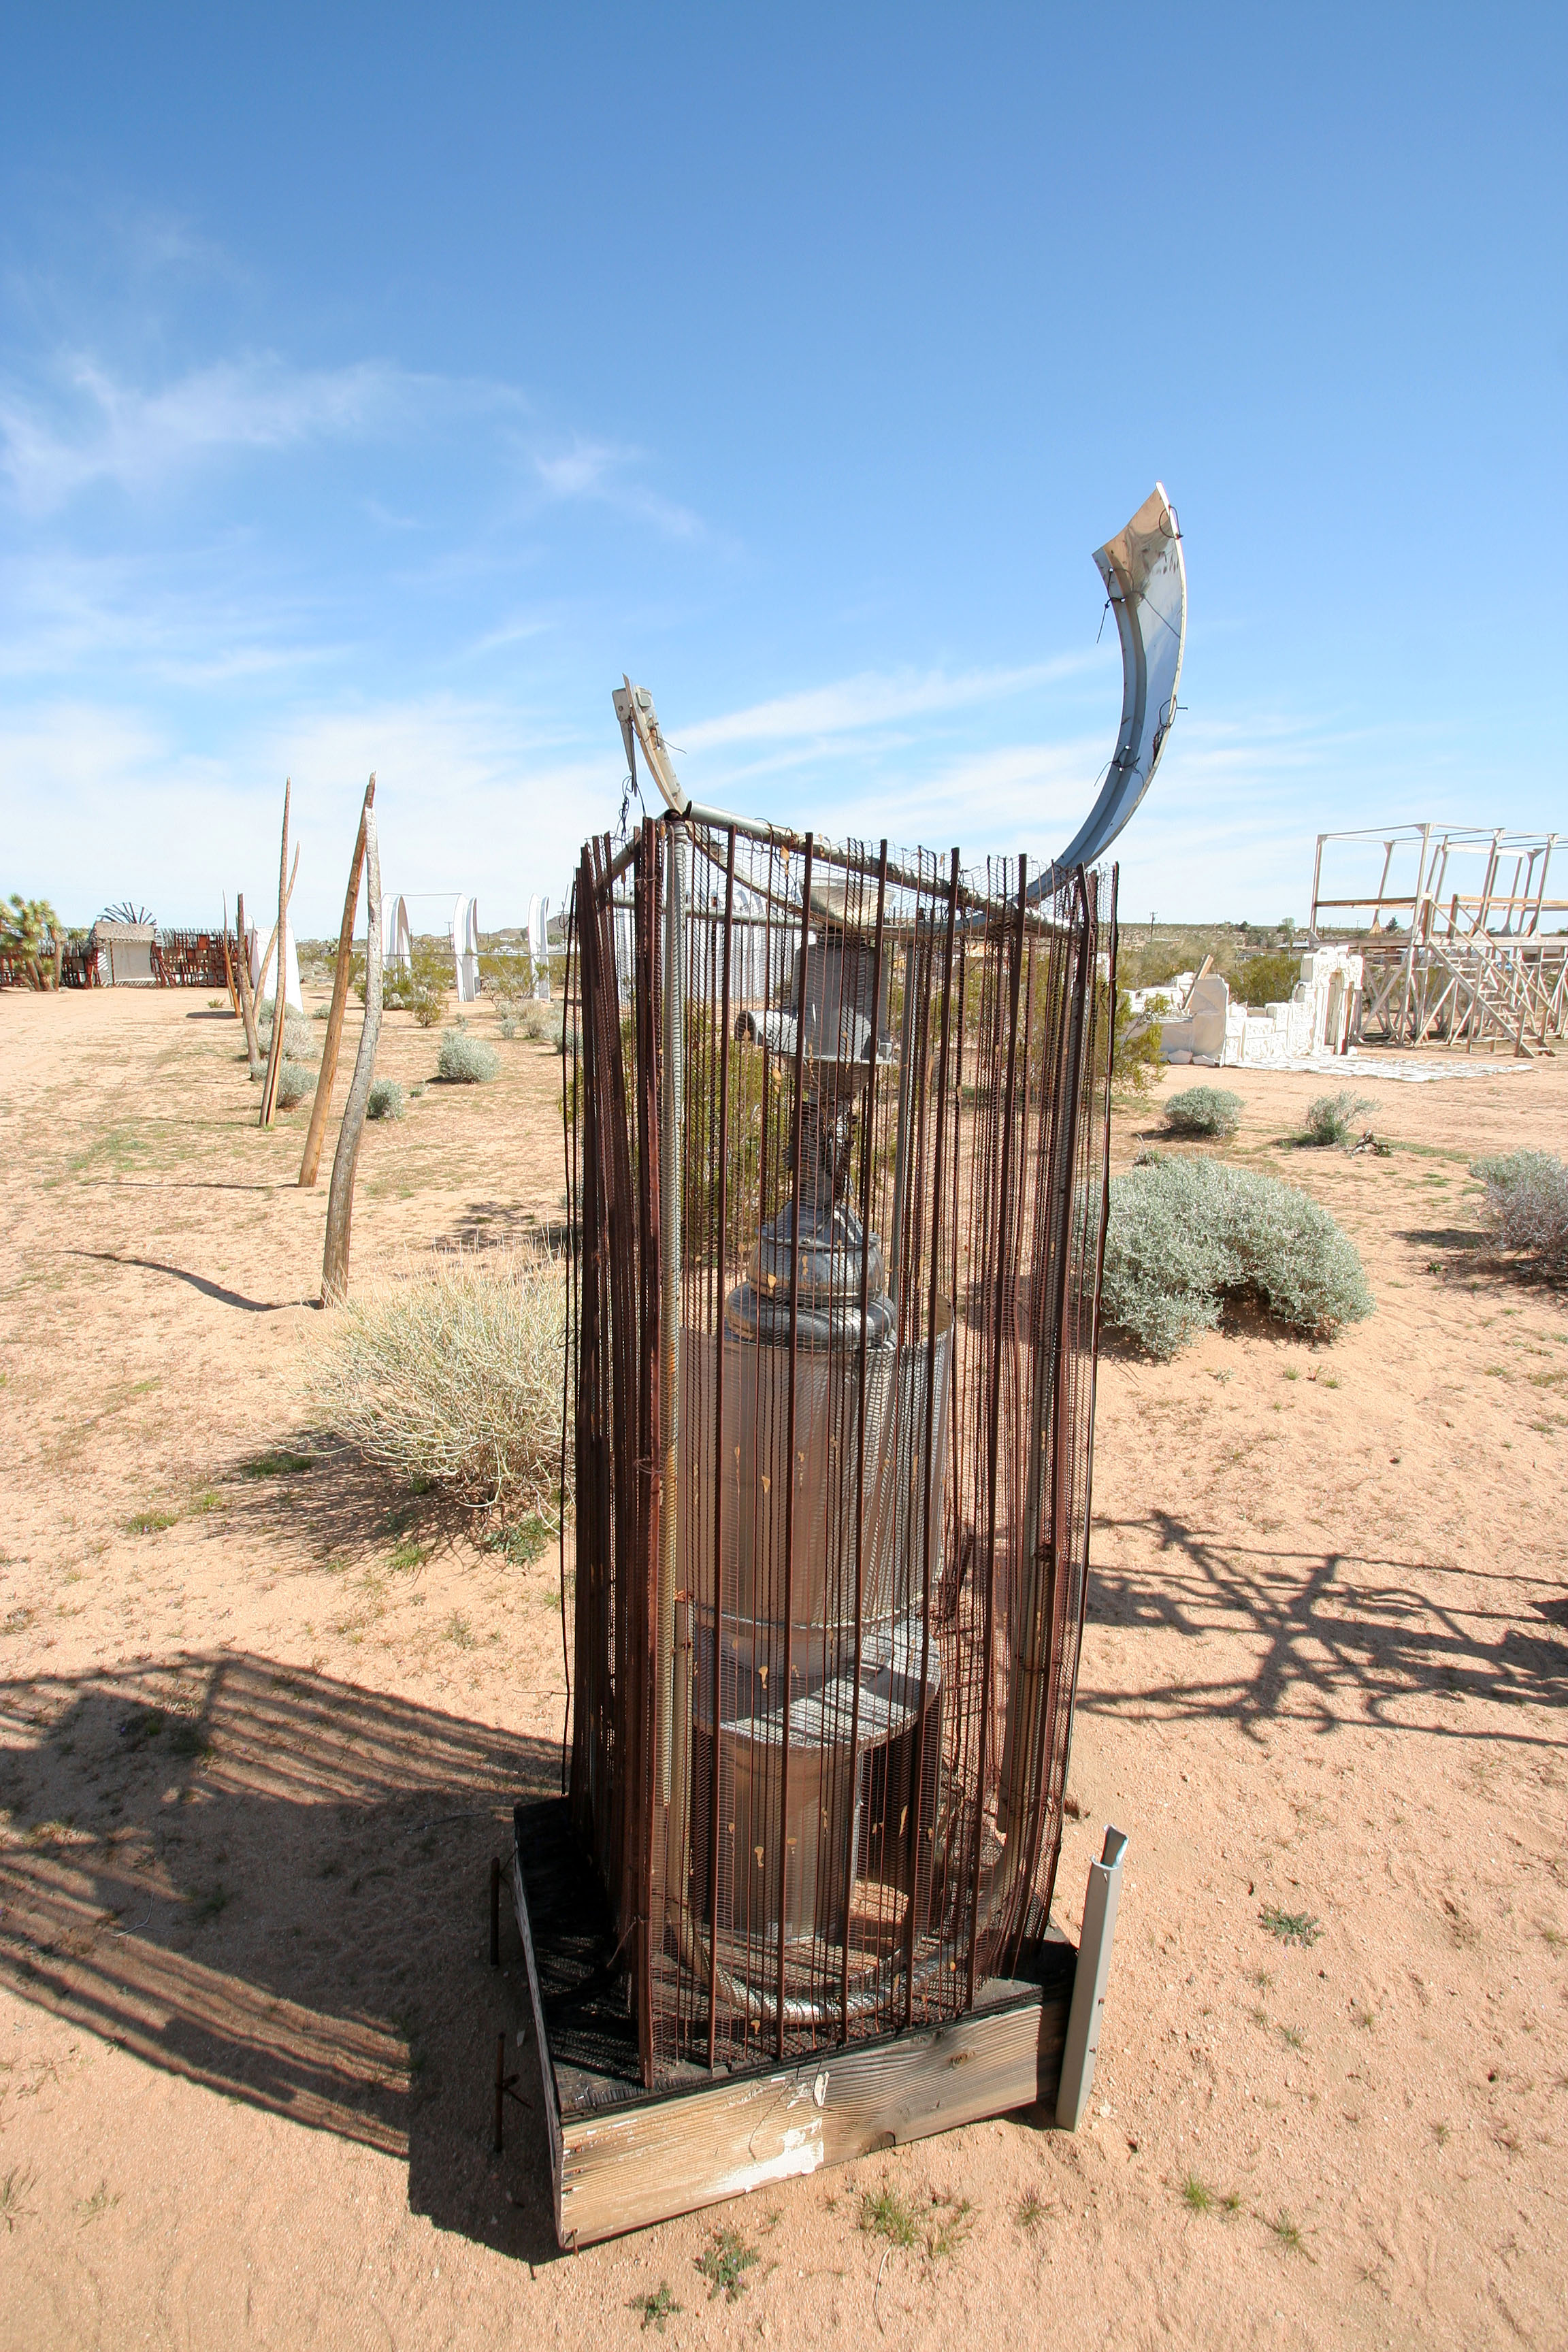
(1088, 1982)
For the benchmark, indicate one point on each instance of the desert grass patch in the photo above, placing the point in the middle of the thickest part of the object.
(277, 1462)
(1187, 1235)
(1291, 1927)
(151, 1521)
(657, 2307)
(449, 1369)
(724, 2262)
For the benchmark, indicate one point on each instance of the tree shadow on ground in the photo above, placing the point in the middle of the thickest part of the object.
(275, 1884)
(1334, 1638)
(502, 1225)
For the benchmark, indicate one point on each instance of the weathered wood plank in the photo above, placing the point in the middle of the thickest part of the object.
(623, 2157)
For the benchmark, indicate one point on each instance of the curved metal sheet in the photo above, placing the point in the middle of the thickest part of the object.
(1146, 580)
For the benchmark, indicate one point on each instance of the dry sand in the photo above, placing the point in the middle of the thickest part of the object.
(254, 1762)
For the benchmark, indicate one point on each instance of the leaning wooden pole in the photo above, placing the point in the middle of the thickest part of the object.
(279, 1010)
(340, 1196)
(334, 1037)
(228, 963)
(247, 999)
(272, 934)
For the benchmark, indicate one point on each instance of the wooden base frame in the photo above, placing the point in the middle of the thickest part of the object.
(622, 2156)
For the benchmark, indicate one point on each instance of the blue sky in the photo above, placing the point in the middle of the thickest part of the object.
(376, 385)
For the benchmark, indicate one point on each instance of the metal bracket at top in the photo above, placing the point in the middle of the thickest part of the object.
(639, 724)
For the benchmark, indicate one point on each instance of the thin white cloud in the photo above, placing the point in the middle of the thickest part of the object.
(598, 470)
(100, 428)
(872, 699)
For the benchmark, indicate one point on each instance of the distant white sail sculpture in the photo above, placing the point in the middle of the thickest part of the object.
(538, 939)
(291, 990)
(466, 949)
(396, 937)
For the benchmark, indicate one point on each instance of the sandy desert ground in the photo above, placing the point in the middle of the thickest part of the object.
(263, 1716)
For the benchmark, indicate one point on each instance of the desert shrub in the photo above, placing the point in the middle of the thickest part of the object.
(1267, 978)
(540, 1022)
(1331, 1118)
(507, 1026)
(1186, 1233)
(1527, 1205)
(451, 1371)
(298, 1042)
(1204, 1110)
(385, 1100)
(426, 972)
(322, 1013)
(294, 1083)
(1135, 1056)
(466, 1061)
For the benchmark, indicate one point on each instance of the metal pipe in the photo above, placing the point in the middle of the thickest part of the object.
(789, 1452)
(671, 1110)
(928, 1532)
(852, 1857)
(713, 1848)
(1004, 1263)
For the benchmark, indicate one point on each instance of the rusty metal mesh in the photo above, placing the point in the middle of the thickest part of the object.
(837, 1146)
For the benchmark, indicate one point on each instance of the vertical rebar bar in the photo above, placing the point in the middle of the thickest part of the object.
(715, 1776)
(1003, 1263)
(791, 1418)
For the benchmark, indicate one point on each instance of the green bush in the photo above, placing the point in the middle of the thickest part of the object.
(466, 1061)
(1135, 1059)
(385, 1100)
(1266, 980)
(507, 1026)
(1527, 1205)
(1188, 1234)
(294, 1083)
(1331, 1118)
(1204, 1110)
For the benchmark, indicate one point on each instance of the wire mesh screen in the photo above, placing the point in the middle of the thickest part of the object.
(838, 1162)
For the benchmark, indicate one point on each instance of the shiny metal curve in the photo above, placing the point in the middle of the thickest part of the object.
(1146, 580)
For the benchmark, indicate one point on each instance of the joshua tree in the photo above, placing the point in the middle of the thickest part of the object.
(30, 929)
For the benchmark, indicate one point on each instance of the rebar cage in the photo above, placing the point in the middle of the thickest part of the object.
(837, 1145)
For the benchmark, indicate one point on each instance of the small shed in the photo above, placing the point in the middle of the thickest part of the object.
(124, 953)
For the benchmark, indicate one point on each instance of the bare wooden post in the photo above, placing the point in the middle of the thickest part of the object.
(272, 934)
(323, 1102)
(228, 963)
(242, 978)
(279, 1010)
(340, 1196)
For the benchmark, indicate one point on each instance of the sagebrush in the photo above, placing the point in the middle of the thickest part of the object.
(466, 1061)
(450, 1371)
(1332, 1119)
(299, 1038)
(1188, 1234)
(385, 1099)
(295, 1082)
(1204, 1110)
(1526, 1208)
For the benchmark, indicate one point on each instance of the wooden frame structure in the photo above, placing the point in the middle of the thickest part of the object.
(1460, 967)
(622, 2158)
